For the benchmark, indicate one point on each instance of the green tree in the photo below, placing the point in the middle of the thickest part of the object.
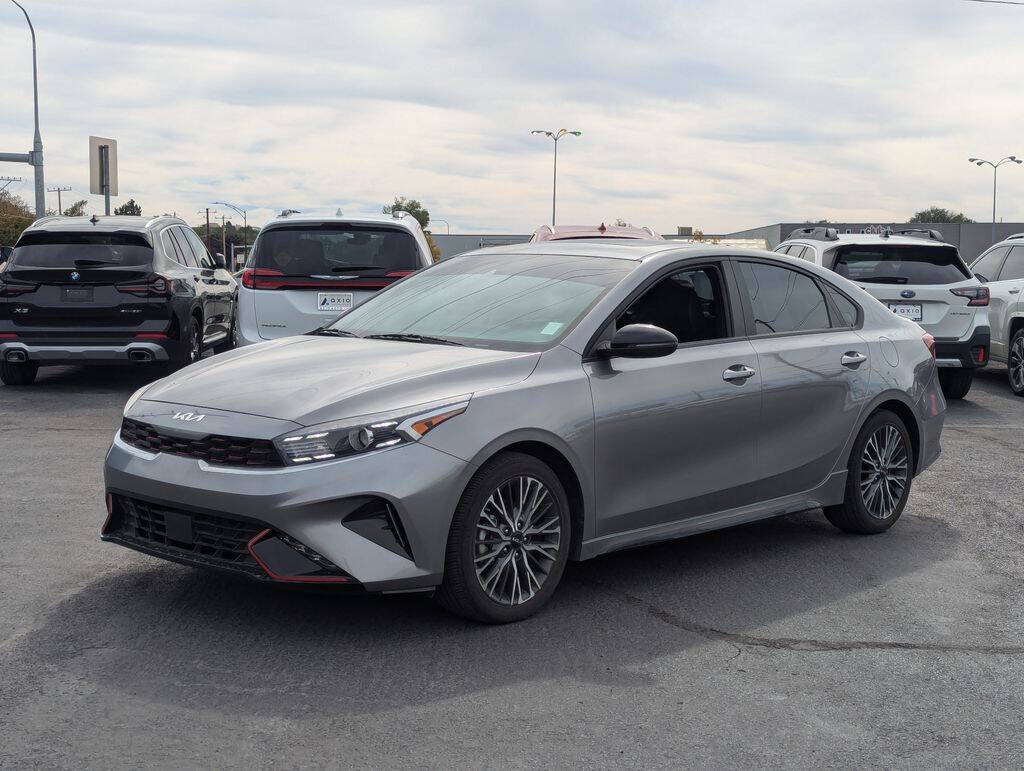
(938, 214)
(76, 209)
(15, 216)
(411, 205)
(128, 209)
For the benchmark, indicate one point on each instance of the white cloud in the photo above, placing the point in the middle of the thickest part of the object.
(718, 115)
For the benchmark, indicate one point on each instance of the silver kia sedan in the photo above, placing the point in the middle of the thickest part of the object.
(473, 427)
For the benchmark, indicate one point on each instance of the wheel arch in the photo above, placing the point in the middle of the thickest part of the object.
(899, 404)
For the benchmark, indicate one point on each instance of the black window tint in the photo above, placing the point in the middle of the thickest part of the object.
(185, 256)
(1013, 268)
(988, 266)
(60, 249)
(901, 264)
(847, 310)
(690, 304)
(199, 250)
(783, 300)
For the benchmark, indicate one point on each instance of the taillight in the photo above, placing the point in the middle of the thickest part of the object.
(978, 295)
(8, 335)
(157, 286)
(10, 288)
(255, 278)
(929, 343)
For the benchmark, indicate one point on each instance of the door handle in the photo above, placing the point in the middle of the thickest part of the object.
(738, 372)
(1015, 291)
(853, 359)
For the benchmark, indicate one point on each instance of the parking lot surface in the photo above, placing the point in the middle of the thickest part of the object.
(783, 643)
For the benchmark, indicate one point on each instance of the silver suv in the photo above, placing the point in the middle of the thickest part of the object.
(303, 271)
(1001, 268)
(918, 276)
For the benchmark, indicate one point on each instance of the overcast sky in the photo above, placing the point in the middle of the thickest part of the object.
(720, 115)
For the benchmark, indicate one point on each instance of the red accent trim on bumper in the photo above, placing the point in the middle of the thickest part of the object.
(290, 579)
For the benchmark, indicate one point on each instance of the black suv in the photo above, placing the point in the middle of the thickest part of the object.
(98, 290)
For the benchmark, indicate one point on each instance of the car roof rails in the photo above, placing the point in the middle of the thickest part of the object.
(815, 234)
(934, 235)
(1014, 236)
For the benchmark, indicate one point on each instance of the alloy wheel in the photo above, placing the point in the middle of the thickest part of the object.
(884, 472)
(518, 534)
(1016, 364)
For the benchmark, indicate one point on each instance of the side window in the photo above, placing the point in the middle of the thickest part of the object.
(171, 247)
(783, 300)
(690, 304)
(847, 310)
(781, 249)
(808, 254)
(184, 250)
(203, 256)
(797, 251)
(988, 265)
(1013, 268)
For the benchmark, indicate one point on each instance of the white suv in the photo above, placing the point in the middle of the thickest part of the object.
(1002, 270)
(304, 271)
(919, 277)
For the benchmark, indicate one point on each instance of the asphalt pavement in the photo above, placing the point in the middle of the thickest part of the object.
(782, 643)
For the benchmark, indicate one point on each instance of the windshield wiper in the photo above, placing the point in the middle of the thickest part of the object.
(93, 263)
(408, 337)
(356, 268)
(883, 280)
(328, 332)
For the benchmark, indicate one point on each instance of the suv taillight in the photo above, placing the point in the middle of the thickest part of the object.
(157, 286)
(10, 288)
(929, 343)
(978, 295)
(261, 278)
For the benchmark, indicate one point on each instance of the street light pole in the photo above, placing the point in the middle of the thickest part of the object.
(555, 136)
(995, 169)
(245, 221)
(448, 228)
(36, 156)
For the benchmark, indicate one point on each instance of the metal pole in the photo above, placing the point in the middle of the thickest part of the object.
(36, 157)
(209, 240)
(995, 169)
(554, 183)
(105, 177)
(224, 234)
(60, 208)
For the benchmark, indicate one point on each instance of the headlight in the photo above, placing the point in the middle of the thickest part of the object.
(134, 398)
(367, 433)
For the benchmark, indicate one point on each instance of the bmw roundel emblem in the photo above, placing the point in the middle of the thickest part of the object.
(75, 275)
(907, 293)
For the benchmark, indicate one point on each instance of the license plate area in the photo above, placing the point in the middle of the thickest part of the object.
(910, 311)
(178, 528)
(76, 294)
(334, 302)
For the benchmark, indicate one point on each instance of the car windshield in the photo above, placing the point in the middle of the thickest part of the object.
(899, 264)
(76, 250)
(335, 248)
(505, 301)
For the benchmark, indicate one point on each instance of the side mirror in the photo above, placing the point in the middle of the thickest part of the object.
(981, 278)
(640, 341)
(218, 260)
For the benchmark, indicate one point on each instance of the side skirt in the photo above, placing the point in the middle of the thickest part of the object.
(828, 493)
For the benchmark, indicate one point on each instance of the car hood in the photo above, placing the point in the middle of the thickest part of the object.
(311, 380)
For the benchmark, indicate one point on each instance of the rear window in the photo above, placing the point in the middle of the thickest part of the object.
(330, 250)
(896, 264)
(81, 250)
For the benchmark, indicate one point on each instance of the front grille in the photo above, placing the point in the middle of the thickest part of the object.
(222, 450)
(212, 539)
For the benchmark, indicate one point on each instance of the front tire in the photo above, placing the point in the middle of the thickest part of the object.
(18, 374)
(1015, 363)
(508, 543)
(878, 477)
(955, 382)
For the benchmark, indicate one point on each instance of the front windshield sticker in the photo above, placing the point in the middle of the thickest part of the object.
(552, 327)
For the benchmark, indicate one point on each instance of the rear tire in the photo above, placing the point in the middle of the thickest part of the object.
(878, 477)
(956, 382)
(1015, 363)
(508, 543)
(18, 374)
(190, 349)
(228, 342)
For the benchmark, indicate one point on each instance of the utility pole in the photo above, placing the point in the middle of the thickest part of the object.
(8, 180)
(58, 190)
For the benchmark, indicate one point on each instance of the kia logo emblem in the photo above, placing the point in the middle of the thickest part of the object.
(75, 275)
(907, 293)
(188, 417)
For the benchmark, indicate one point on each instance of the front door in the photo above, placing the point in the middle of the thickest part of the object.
(675, 436)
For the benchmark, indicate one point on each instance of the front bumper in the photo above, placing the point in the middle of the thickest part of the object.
(965, 354)
(307, 505)
(61, 353)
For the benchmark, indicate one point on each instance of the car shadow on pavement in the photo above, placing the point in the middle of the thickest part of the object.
(193, 639)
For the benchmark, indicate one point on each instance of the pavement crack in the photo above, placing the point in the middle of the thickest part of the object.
(798, 644)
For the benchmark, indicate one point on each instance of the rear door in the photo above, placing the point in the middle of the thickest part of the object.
(305, 275)
(85, 287)
(814, 370)
(1005, 301)
(218, 288)
(914, 281)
